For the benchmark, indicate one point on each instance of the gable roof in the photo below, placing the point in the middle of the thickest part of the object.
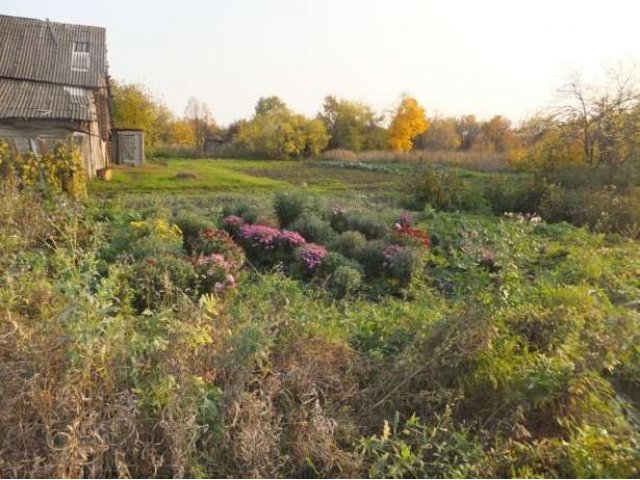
(25, 99)
(42, 51)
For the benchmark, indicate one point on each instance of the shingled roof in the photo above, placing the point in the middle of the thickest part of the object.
(60, 53)
(25, 99)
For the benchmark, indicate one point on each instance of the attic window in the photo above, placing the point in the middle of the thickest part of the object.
(82, 47)
(80, 59)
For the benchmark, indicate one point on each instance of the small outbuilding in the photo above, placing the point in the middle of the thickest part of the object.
(129, 146)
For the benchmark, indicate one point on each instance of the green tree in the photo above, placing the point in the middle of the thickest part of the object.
(277, 132)
(352, 125)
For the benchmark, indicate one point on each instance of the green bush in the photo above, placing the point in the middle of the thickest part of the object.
(159, 281)
(344, 281)
(249, 213)
(289, 206)
(405, 264)
(514, 196)
(191, 225)
(370, 256)
(348, 242)
(313, 228)
(446, 190)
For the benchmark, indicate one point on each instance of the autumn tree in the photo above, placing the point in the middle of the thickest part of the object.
(441, 135)
(409, 120)
(199, 116)
(602, 117)
(468, 129)
(495, 135)
(135, 106)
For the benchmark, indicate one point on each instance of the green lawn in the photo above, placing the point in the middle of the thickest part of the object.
(233, 175)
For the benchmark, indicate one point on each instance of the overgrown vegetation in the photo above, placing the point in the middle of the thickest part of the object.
(136, 339)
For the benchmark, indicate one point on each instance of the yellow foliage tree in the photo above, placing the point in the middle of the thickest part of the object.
(181, 133)
(408, 121)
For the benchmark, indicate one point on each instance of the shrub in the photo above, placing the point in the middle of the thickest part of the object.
(211, 241)
(160, 280)
(191, 225)
(215, 273)
(313, 228)
(402, 263)
(409, 236)
(344, 281)
(248, 213)
(232, 224)
(310, 257)
(61, 169)
(445, 190)
(267, 245)
(514, 196)
(289, 206)
(370, 256)
(151, 238)
(342, 221)
(348, 242)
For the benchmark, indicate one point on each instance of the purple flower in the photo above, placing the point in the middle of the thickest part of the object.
(259, 235)
(291, 239)
(312, 255)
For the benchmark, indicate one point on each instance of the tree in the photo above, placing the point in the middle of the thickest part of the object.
(468, 129)
(181, 133)
(199, 115)
(441, 135)
(134, 106)
(277, 132)
(598, 115)
(495, 135)
(408, 121)
(351, 125)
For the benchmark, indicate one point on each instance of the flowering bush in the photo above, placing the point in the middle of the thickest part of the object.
(211, 240)
(290, 240)
(215, 273)
(267, 245)
(410, 235)
(232, 224)
(311, 256)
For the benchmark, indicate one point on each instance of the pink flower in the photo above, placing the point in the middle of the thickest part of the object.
(290, 239)
(259, 235)
(232, 220)
(312, 256)
(390, 252)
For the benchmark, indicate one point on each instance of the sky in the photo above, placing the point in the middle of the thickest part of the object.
(456, 57)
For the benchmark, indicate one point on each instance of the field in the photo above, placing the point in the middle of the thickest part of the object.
(176, 324)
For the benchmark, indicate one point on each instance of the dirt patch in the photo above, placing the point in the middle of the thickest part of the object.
(185, 176)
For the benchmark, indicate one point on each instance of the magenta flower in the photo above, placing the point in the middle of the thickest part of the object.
(259, 235)
(291, 239)
(312, 255)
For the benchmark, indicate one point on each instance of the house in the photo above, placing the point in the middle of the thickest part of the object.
(54, 86)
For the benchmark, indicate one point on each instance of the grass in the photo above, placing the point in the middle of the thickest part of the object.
(236, 175)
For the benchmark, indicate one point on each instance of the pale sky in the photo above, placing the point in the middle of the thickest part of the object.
(485, 56)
